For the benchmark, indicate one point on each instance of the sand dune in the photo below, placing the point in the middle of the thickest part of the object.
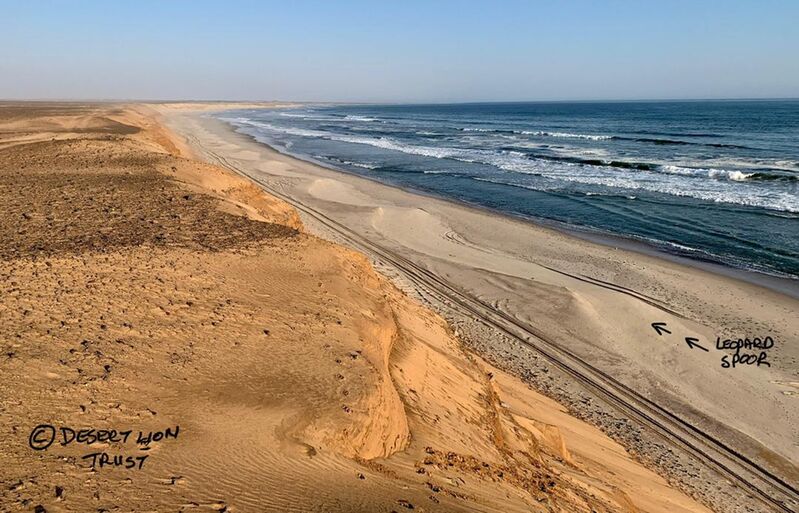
(145, 290)
(592, 304)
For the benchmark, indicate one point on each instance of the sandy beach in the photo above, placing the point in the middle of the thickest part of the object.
(176, 339)
(570, 300)
(433, 257)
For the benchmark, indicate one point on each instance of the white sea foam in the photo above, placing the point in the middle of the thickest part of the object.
(360, 118)
(736, 176)
(286, 130)
(567, 135)
(362, 165)
(307, 116)
(541, 133)
(236, 120)
(788, 165)
(678, 170)
(755, 163)
(666, 179)
(719, 174)
(680, 246)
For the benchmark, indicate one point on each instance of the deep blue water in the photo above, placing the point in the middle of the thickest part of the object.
(711, 180)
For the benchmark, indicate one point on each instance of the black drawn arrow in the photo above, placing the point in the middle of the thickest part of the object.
(692, 343)
(660, 327)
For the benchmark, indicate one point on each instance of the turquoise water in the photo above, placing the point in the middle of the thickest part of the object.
(710, 180)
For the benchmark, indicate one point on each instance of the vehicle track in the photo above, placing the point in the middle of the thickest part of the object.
(766, 487)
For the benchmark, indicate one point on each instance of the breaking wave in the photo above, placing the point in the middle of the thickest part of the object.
(673, 180)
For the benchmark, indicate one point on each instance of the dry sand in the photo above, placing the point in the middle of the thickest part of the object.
(597, 301)
(143, 290)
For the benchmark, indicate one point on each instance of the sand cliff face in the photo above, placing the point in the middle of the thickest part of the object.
(143, 290)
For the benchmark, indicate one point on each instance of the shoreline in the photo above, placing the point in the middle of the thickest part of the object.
(595, 300)
(148, 290)
(783, 284)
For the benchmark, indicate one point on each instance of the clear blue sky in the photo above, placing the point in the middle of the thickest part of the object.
(415, 51)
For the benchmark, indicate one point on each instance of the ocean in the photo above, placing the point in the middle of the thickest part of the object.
(710, 180)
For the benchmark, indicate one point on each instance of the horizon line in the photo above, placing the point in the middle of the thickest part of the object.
(395, 102)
